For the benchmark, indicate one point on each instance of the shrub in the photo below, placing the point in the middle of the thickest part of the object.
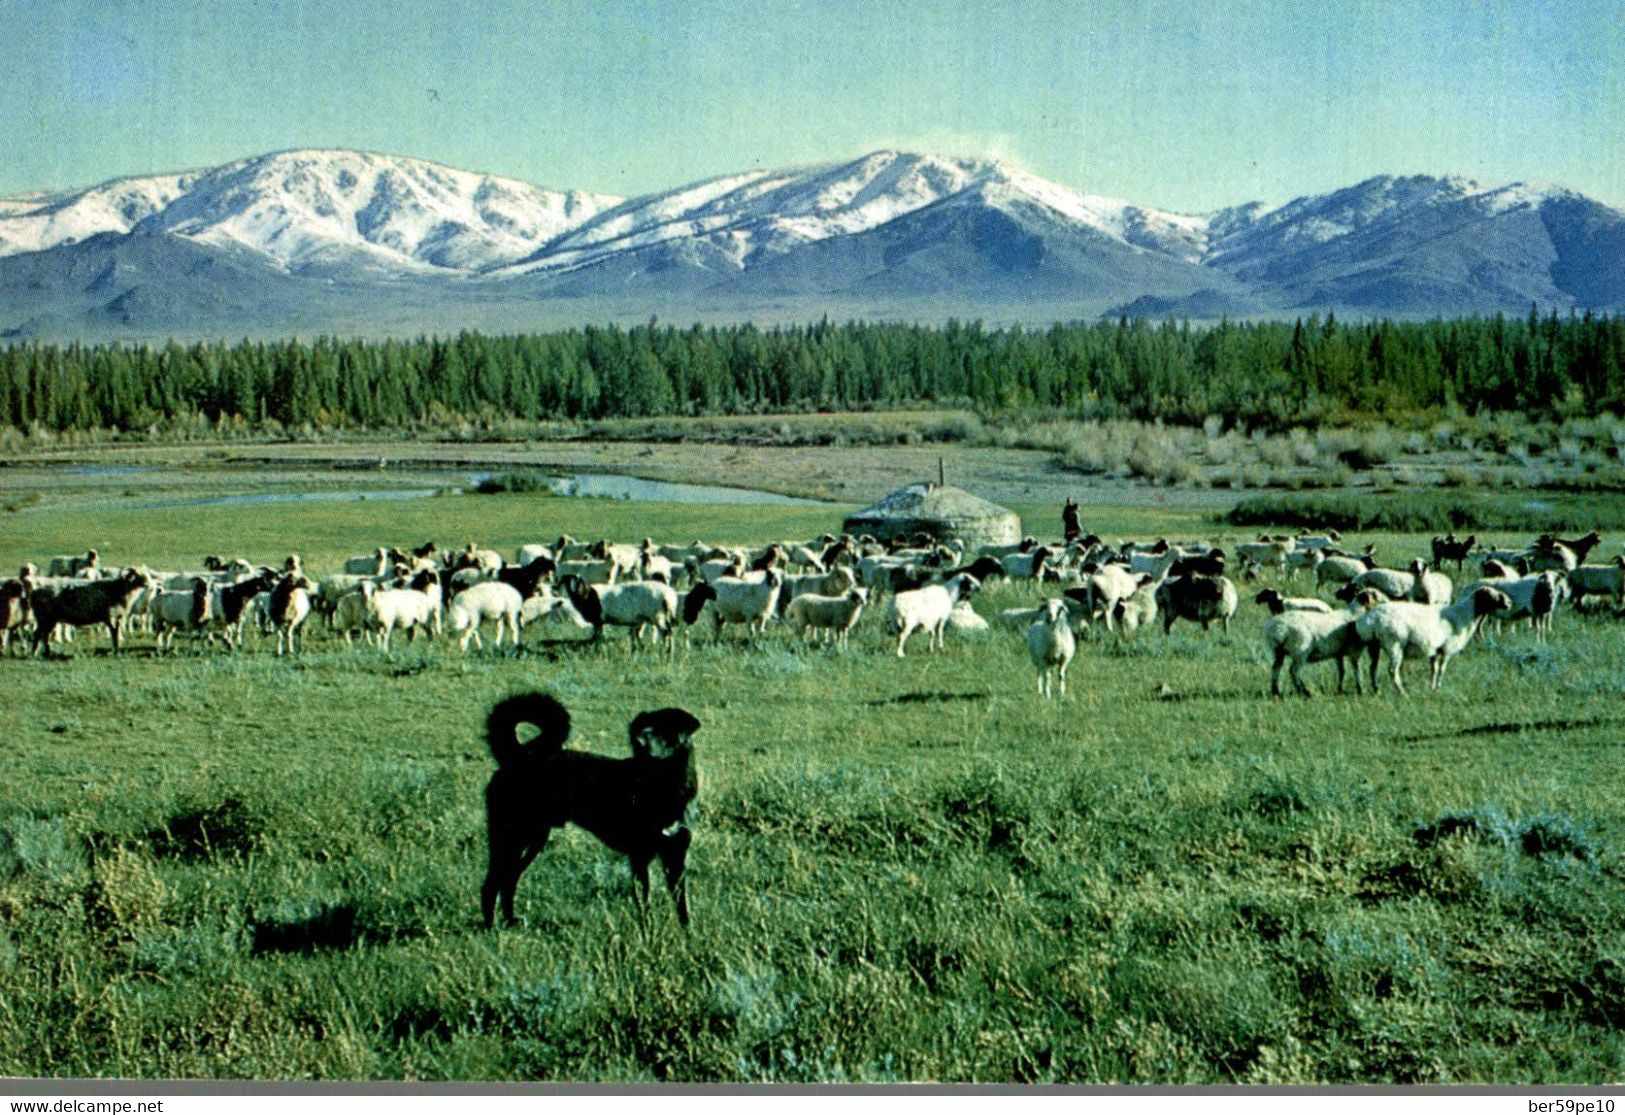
(513, 482)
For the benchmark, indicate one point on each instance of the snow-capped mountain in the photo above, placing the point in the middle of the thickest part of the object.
(345, 240)
(315, 210)
(746, 218)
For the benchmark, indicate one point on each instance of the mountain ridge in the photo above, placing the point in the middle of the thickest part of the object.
(891, 233)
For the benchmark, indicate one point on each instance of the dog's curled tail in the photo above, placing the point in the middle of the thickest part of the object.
(540, 709)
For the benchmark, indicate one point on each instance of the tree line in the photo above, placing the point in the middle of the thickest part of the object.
(1267, 375)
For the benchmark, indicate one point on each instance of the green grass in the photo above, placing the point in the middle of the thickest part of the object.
(905, 870)
(1526, 512)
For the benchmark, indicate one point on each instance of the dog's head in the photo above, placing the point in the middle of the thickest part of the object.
(662, 733)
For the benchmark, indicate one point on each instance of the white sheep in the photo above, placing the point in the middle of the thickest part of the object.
(406, 609)
(831, 617)
(1028, 566)
(1598, 580)
(833, 583)
(1437, 632)
(1051, 646)
(594, 571)
(1102, 588)
(928, 608)
(375, 564)
(964, 620)
(1395, 583)
(531, 551)
(177, 610)
(750, 602)
(1431, 587)
(635, 605)
(489, 600)
(1138, 609)
(1266, 553)
(1338, 569)
(1277, 603)
(1300, 637)
(352, 613)
(1534, 598)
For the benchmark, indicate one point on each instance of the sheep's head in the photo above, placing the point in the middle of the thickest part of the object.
(1367, 598)
(1270, 599)
(1487, 601)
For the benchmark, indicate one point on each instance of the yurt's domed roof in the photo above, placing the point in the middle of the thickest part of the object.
(939, 510)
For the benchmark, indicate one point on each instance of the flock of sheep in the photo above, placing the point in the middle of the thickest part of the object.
(821, 588)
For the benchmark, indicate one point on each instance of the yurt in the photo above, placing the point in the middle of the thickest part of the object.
(941, 511)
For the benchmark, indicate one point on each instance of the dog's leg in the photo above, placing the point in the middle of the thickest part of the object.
(507, 862)
(674, 858)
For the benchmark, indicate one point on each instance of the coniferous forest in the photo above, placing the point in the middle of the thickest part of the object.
(1267, 375)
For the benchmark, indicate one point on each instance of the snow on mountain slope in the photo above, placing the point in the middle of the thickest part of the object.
(881, 229)
(319, 209)
(744, 218)
(36, 222)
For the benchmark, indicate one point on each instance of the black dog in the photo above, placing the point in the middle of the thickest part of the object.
(637, 806)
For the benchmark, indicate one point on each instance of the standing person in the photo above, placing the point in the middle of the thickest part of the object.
(1071, 523)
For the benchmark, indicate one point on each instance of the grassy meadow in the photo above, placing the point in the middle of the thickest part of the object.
(235, 866)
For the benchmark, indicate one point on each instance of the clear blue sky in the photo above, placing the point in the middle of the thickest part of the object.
(1188, 105)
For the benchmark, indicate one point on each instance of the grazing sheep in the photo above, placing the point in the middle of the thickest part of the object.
(352, 614)
(1580, 547)
(107, 602)
(288, 608)
(1431, 587)
(1437, 632)
(1103, 587)
(406, 609)
(928, 608)
(654, 567)
(1277, 603)
(1553, 556)
(1598, 580)
(491, 600)
(1136, 610)
(1449, 548)
(175, 610)
(529, 553)
(1265, 553)
(1157, 564)
(1005, 550)
(1340, 569)
(1299, 637)
(1210, 563)
(1396, 584)
(963, 619)
(594, 571)
(1028, 566)
(833, 583)
(74, 566)
(526, 579)
(1051, 646)
(376, 564)
(1534, 598)
(831, 617)
(14, 610)
(634, 605)
(749, 602)
(1197, 598)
